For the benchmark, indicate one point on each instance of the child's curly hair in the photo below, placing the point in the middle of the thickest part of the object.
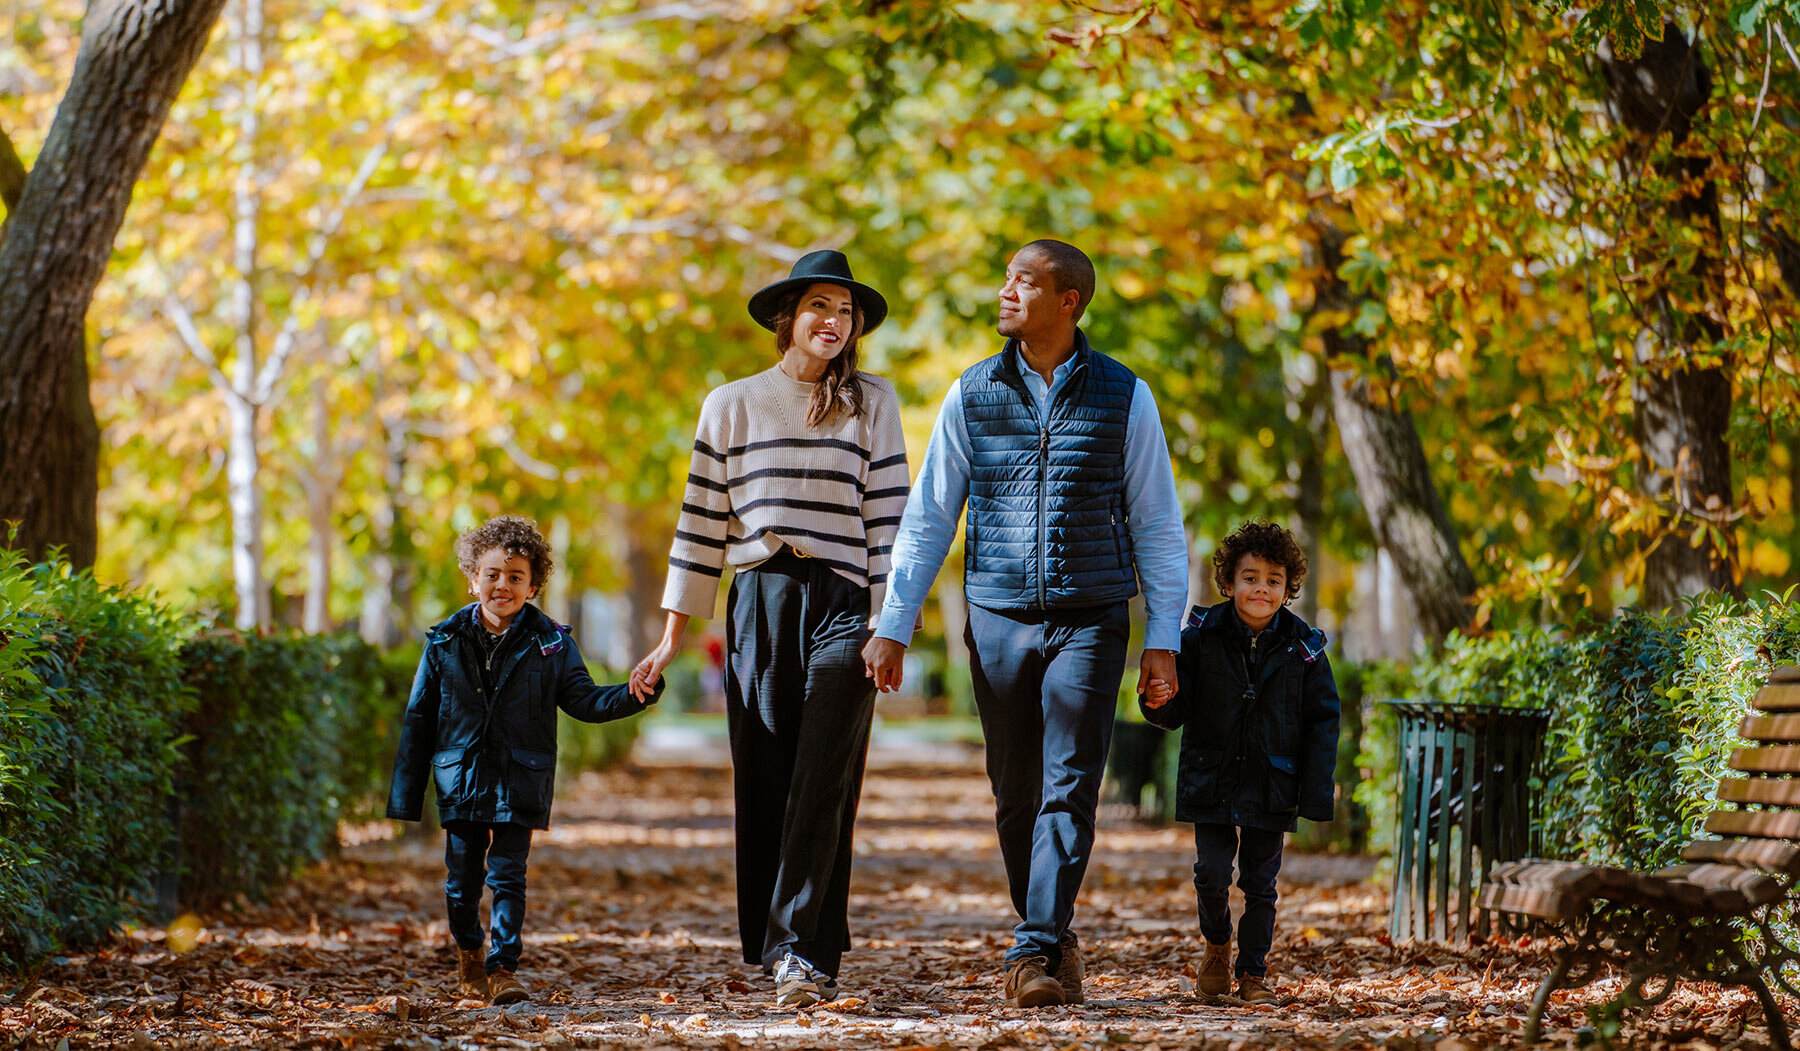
(1267, 541)
(513, 534)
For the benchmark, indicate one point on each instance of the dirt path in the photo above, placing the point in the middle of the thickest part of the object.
(631, 942)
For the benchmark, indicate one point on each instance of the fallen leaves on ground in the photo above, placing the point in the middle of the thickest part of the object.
(631, 942)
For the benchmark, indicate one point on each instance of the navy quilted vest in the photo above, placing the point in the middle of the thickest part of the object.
(1047, 524)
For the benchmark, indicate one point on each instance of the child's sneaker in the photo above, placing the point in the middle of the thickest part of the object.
(800, 984)
(1254, 989)
(505, 988)
(471, 975)
(1215, 971)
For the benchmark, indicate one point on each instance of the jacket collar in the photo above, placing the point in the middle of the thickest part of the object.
(1286, 625)
(1006, 363)
(532, 623)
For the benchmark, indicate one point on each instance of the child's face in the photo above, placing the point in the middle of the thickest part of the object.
(1258, 591)
(501, 583)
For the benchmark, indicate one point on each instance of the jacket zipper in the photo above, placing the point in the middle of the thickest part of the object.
(1043, 527)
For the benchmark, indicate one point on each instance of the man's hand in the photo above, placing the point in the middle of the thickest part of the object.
(1158, 664)
(882, 660)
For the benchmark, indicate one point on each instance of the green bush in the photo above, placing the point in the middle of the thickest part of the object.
(1644, 713)
(289, 735)
(91, 703)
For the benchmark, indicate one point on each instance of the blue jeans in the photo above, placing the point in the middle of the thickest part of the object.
(1258, 855)
(1046, 684)
(477, 852)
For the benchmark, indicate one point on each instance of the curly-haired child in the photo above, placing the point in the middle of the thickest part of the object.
(1260, 711)
(481, 727)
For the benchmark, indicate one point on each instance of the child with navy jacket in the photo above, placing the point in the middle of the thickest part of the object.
(1258, 706)
(480, 726)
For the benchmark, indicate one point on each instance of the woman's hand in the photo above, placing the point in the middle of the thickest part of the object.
(644, 677)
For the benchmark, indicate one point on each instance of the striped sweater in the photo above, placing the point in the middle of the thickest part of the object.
(761, 478)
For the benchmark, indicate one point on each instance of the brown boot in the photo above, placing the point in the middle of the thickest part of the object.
(1070, 971)
(1255, 990)
(471, 975)
(505, 988)
(1028, 984)
(1215, 971)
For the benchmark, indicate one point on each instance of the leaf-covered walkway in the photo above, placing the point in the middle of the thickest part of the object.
(630, 943)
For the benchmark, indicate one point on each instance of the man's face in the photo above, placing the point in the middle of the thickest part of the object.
(1030, 303)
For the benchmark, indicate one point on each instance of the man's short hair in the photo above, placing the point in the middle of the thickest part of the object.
(1070, 266)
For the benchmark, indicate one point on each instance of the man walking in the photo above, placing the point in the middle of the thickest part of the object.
(1059, 454)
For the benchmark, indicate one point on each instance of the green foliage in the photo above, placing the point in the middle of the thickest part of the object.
(91, 703)
(290, 734)
(1644, 714)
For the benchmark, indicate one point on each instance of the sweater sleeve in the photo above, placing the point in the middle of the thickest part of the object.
(697, 557)
(884, 498)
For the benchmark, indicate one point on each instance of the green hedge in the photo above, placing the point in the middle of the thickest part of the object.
(1644, 713)
(148, 760)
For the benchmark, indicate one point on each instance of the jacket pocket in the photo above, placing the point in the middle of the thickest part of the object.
(1282, 791)
(531, 779)
(449, 775)
(1199, 777)
(969, 543)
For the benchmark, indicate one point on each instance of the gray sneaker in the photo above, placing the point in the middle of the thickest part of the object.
(799, 984)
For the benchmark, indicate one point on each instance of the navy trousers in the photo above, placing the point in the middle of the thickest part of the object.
(1258, 855)
(1046, 685)
(799, 708)
(477, 852)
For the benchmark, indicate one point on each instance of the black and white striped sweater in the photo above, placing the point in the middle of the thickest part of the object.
(761, 478)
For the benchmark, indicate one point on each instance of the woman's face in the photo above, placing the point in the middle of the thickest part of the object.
(823, 324)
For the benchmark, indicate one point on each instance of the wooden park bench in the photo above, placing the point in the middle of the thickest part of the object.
(1726, 915)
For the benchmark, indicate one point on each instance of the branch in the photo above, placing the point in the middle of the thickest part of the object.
(526, 462)
(183, 320)
(287, 339)
(12, 175)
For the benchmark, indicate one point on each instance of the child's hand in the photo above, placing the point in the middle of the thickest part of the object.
(1159, 694)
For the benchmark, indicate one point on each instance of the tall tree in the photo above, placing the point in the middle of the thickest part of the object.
(134, 56)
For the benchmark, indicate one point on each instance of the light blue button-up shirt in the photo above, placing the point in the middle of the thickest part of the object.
(1158, 542)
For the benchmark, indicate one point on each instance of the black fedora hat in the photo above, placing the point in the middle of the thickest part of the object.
(827, 267)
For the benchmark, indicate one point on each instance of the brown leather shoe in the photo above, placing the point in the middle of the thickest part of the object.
(1215, 971)
(1071, 971)
(504, 988)
(1028, 984)
(471, 975)
(1255, 990)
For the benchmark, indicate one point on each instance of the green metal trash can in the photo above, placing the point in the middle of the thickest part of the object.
(1468, 800)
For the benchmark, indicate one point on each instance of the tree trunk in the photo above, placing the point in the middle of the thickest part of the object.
(1393, 477)
(135, 54)
(1312, 400)
(244, 465)
(1683, 409)
(647, 537)
(387, 598)
(321, 491)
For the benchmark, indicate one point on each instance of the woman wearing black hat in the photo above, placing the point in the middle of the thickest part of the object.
(797, 481)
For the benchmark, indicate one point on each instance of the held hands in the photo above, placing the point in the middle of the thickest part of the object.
(1158, 694)
(649, 670)
(882, 659)
(1156, 677)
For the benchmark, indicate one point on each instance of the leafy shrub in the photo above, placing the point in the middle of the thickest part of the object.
(91, 703)
(1644, 713)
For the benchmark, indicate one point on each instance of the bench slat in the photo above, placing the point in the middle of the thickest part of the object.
(1728, 888)
(1770, 728)
(1780, 759)
(1543, 901)
(1777, 696)
(1768, 824)
(1767, 854)
(1773, 791)
(1786, 673)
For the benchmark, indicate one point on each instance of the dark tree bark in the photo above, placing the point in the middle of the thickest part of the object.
(1393, 477)
(134, 56)
(1683, 409)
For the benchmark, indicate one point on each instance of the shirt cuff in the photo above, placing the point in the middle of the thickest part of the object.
(1161, 634)
(896, 623)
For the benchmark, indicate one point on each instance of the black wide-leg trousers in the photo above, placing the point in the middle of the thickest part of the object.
(799, 708)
